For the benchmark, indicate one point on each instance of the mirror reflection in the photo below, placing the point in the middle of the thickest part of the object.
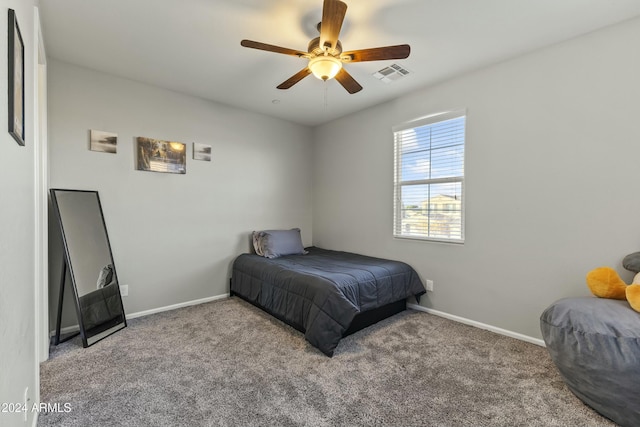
(89, 261)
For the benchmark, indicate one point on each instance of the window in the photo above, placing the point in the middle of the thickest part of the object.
(429, 178)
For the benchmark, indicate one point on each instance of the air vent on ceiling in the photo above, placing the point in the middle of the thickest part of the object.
(391, 73)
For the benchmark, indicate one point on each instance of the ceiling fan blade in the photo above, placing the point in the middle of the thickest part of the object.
(271, 48)
(295, 78)
(400, 51)
(348, 82)
(333, 12)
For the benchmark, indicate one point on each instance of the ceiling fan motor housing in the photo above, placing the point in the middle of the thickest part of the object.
(315, 50)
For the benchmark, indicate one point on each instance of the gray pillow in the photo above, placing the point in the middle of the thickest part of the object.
(277, 243)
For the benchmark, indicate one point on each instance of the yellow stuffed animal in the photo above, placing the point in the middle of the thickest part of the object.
(604, 282)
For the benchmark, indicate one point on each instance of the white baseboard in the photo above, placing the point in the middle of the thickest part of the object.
(175, 306)
(65, 330)
(480, 325)
(76, 328)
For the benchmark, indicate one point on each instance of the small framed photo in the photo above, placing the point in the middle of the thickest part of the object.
(156, 155)
(16, 80)
(105, 142)
(201, 152)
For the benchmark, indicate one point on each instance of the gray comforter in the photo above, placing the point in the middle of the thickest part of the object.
(320, 293)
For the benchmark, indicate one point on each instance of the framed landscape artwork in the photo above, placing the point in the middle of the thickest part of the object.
(201, 152)
(16, 79)
(105, 142)
(161, 156)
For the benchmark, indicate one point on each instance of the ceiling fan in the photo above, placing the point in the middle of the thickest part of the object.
(325, 53)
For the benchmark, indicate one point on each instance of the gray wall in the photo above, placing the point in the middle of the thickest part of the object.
(174, 236)
(553, 144)
(17, 231)
(551, 149)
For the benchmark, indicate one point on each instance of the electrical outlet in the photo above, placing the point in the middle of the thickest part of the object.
(430, 285)
(124, 290)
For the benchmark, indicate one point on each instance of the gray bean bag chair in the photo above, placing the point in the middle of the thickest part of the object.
(595, 343)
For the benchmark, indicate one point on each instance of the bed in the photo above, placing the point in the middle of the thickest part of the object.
(325, 294)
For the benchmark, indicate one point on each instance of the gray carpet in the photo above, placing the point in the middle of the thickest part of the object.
(226, 363)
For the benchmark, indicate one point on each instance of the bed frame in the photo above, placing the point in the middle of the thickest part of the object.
(361, 321)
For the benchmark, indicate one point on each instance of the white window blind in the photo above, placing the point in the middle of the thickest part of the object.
(429, 178)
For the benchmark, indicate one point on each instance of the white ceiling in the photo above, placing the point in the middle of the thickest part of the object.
(193, 46)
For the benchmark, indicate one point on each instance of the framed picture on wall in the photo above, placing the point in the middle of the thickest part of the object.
(201, 152)
(161, 156)
(105, 142)
(16, 80)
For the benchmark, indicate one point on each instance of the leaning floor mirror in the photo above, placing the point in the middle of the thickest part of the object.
(89, 262)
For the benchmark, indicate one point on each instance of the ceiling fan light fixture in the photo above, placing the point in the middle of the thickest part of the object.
(325, 55)
(325, 67)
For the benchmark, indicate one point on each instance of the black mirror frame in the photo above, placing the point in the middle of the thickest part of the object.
(87, 340)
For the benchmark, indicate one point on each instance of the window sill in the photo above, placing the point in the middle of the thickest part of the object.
(430, 239)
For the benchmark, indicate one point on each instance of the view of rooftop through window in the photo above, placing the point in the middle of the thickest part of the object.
(429, 180)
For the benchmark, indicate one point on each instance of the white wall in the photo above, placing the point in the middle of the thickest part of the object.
(174, 237)
(553, 144)
(17, 230)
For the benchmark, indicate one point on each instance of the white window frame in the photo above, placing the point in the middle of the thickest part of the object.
(398, 183)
